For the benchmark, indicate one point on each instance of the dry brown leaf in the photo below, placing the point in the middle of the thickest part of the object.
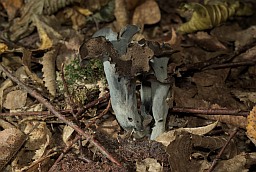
(121, 14)
(206, 41)
(48, 62)
(131, 4)
(46, 42)
(110, 127)
(35, 147)
(22, 27)
(148, 165)
(67, 132)
(146, 13)
(240, 163)
(77, 16)
(167, 137)
(12, 7)
(11, 141)
(251, 126)
(15, 100)
(6, 84)
(3, 47)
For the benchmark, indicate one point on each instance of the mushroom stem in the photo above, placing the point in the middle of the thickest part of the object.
(123, 98)
(160, 93)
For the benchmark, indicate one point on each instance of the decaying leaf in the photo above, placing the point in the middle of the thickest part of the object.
(148, 165)
(240, 163)
(35, 147)
(3, 47)
(77, 18)
(48, 62)
(121, 14)
(7, 83)
(47, 34)
(11, 141)
(146, 13)
(207, 41)
(12, 7)
(106, 12)
(251, 126)
(67, 132)
(167, 137)
(24, 25)
(185, 144)
(208, 16)
(15, 100)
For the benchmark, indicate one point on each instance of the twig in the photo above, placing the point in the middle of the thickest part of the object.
(67, 111)
(99, 116)
(222, 150)
(93, 103)
(67, 148)
(228, 65)
(58, 114)
(210, 111)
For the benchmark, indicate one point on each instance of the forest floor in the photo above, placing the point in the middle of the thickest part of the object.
(56, 113)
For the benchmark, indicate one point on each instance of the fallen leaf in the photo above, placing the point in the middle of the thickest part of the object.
(121, 14)
(251, 126)
(11, 141)
(146, 13)
(148, 165)
(167, 137)
(15, 100)
(3, 47)
(12, 7)
(46, 42)
(48, 62)
(67, 132)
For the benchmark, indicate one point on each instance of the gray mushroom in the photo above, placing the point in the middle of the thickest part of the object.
(123, 61)
(122, 88)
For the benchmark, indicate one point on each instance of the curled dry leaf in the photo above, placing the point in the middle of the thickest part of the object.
(207, 16)
(146, 13)
(167, 137)
(48, 62)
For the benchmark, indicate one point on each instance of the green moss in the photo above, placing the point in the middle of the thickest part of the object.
(91, 73)
(77, 77)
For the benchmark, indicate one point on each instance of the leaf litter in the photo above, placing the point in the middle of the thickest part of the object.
(207, 88)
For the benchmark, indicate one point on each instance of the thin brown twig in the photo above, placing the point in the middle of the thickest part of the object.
(235, 112)
(42, 100)
(100, 115)
(67, 111)
(232, 64)
(67, 148)
(214, 163)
